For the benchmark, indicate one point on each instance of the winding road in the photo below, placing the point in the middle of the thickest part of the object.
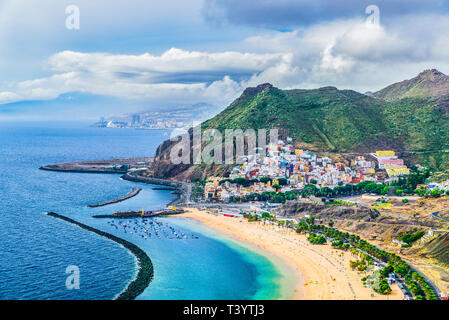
(436, 215)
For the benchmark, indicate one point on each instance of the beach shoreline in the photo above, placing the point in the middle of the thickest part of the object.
(319, 271)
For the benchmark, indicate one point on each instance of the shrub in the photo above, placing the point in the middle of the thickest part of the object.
(435, 193)
(409, 238)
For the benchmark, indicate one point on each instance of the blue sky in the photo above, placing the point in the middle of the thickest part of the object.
(144, 54)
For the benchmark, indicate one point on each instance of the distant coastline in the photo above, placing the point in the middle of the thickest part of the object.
(145, 271)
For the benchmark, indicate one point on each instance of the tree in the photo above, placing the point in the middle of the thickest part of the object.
(283, 181)
(385, 190)
(310, 220)
(266, 215)
(242, 182)
(316, 239)
(326, 191)
(421, 191)
(264, 179)
(435, 193)
(384, 288)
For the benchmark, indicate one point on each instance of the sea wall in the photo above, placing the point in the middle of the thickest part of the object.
(82, 170)
(134, 192)
(145, 271)
(131, 176)
(182, 187)
(101, 166)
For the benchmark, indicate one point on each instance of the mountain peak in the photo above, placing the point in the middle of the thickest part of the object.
(264, 86)
(430, 83)
(252, 91)
(431, 75)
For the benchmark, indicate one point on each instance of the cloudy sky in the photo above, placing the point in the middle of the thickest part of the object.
(133, 55)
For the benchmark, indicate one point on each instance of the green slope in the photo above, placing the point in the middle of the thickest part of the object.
(428, 84)
(324, 119)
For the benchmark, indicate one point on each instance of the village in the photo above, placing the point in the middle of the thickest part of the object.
(283, 168)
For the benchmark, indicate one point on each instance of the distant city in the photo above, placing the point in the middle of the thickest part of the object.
(177, 117)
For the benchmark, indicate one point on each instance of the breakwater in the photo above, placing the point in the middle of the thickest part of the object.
(139, 215)
(131, 176)
(82, 170)
(184, 188)
(134, 192)
(101, 166)
(145, 271)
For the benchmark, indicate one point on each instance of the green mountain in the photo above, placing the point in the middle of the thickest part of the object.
(324, 119)
(410, 117)
(428, 84)
(416, 112)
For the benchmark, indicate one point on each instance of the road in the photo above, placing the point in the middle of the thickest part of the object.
(432, 285)
(436, 215)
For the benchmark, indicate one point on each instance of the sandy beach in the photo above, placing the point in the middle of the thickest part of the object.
(321, 272)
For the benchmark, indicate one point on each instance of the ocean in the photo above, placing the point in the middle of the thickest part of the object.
(190, 262)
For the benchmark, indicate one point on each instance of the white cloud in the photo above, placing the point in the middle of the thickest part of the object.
(356, 55)
(343, 53)
(171, 61)
(138, 76)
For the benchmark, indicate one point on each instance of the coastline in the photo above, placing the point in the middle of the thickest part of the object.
(305, 271)
(320, 272)
(145, 270)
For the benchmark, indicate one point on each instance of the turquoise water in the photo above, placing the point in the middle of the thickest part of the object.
(36, 249)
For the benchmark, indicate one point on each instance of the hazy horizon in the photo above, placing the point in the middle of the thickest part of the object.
(99, 59)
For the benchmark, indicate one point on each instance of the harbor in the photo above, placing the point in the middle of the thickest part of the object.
(148, 229)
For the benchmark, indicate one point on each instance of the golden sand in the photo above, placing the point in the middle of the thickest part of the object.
(321, 272)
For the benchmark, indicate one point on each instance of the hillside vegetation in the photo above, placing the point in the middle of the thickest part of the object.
(323, 119)
(410, 117)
